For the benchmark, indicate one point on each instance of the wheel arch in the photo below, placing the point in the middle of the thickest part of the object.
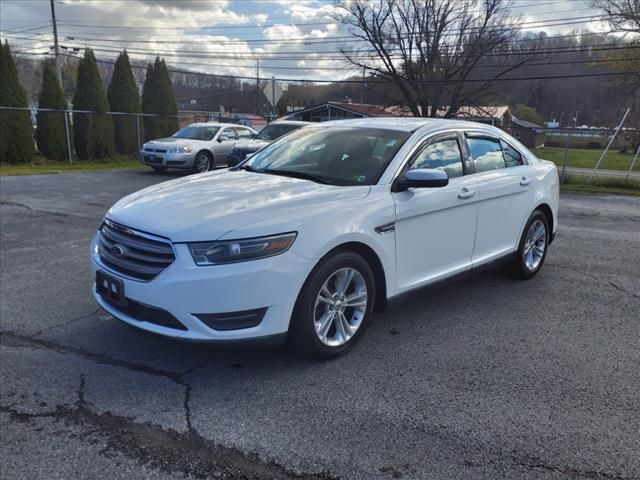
(546, 210)
(208, 152)
(372, 258)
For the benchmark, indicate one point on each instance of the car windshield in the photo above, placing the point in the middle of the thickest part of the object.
(334, 155)
(196, 133)
(273, 131)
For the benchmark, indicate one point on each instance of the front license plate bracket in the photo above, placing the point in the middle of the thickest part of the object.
(111, 289)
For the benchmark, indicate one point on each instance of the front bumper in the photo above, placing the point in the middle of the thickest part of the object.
(168, 160)
(236, 156)
(185, 290)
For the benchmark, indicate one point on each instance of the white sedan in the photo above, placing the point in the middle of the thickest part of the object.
(199, 147)
(306, 239)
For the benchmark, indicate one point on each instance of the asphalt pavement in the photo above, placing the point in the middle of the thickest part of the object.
(480, 378)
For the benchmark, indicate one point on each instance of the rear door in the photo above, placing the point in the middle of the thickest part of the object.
(222, 146)
(505, 195)
(244, 133)
(435, 227)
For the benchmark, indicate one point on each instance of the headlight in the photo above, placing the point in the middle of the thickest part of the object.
(181, 150)
(231, 251)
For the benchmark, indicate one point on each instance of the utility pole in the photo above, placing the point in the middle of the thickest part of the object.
(258, 86)
(363, 86)
(55, 43)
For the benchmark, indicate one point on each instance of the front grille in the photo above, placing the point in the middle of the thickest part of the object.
(156, 150)
(134, 254)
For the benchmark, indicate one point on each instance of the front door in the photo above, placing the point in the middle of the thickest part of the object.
(435, 227)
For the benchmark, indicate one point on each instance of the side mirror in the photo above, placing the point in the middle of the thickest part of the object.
(422, 178)
(254, 135)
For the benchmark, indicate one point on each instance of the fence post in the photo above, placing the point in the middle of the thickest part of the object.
(566, 158)
(138, 129)
(633, 162)
(615, 134)
(66, 130)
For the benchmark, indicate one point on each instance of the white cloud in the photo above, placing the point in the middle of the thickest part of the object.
(202, 34)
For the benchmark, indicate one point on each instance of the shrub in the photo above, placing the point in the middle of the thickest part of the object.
(16, 129)
(123, 97)
(93, 131)
(158, 98)
(51, 133)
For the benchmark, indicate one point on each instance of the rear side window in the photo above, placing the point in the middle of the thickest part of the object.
(486, 154)
(442, 154)
(230, 133)
(243, 133)
(512, 157)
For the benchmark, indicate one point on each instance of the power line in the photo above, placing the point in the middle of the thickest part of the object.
(353, 68)
(473, 80)
(350, 38)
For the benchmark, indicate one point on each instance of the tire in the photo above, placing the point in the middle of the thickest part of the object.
(530, 257)
(159, 169)
(307, 325)
(203, 162)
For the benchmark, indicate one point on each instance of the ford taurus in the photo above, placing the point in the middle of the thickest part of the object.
(316, 231)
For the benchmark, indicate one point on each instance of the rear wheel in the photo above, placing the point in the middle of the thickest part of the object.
(159, 169)
(334, 307)
(203, 162)
(532, 250)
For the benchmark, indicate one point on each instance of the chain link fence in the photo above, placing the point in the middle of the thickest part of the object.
(184, 118)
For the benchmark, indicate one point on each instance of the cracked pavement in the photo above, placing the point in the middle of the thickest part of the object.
(483, 377)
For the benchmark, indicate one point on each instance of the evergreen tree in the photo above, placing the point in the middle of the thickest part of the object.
(158, 98)
(16, 130)
(51, 133)
(123, 97)
(93, 131)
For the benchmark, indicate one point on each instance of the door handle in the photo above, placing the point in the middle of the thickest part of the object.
(524, 181)
(466, 193)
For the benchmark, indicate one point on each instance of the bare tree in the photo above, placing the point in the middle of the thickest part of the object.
(432, 49)
(624, 15)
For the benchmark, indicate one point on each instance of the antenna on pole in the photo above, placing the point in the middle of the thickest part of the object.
(55, 42)
(257, 86)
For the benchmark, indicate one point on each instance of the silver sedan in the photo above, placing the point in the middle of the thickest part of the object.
(199, 147)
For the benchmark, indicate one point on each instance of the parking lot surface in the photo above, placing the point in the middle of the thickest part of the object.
(480, 378)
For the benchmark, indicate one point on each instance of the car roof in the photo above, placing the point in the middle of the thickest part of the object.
(409, 124)
(290, 122)
(216, 124)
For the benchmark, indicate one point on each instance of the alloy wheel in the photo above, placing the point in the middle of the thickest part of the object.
(535, 245)
(340, 307)
(203, 163)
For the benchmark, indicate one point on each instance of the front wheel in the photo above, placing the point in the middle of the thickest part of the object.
(203, 162)
(533, 246)
(334, 307)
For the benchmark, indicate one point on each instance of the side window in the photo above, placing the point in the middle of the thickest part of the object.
(243, 133)
(486, 154)
(230, 133)
(442, 154)
(511, 156)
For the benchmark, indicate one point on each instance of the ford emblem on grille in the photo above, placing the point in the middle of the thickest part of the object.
(118, 250)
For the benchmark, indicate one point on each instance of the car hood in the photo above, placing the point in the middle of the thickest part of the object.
(172, 142)
(207, 206)
(250, 145)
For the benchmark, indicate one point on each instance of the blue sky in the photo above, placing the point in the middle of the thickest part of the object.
(224, 36)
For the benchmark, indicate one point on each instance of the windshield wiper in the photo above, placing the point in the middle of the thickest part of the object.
(248, 168)
(293, 174)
